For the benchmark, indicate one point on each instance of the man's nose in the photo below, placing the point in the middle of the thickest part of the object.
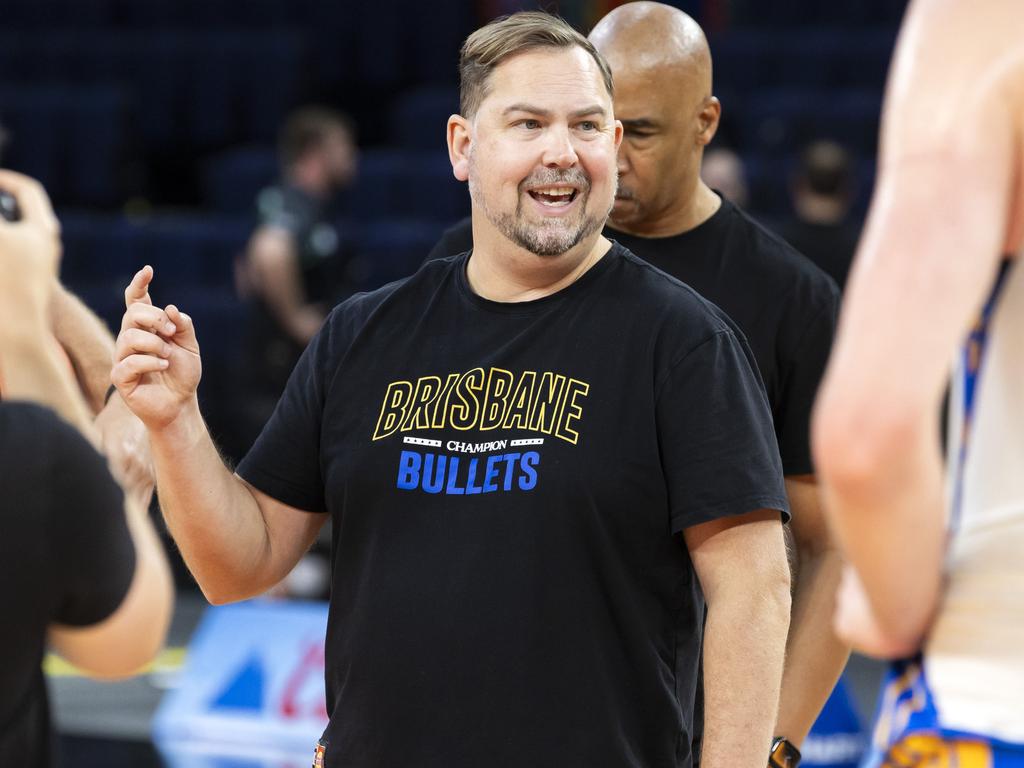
(559, 151)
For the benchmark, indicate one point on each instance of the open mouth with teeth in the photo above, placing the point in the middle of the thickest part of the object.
(554, 197)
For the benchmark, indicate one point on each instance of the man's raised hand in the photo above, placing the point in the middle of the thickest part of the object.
(156, 357)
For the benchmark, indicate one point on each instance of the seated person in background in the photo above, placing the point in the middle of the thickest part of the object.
(80, 563)
(293, 269)
(822, 228)
(295, 272)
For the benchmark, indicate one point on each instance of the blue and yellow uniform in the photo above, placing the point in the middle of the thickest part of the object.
(960, 704)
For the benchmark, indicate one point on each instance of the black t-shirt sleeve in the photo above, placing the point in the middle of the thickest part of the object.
(92, 547)
(803, 371)
(718, 448)
(284, 462)
(280, 209)
(455, 240)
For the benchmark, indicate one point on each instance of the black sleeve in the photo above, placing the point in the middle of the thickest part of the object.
(92, 548)
(284, 462)
(718, 448)
(455, 240)
(282, 209)
(802, 373)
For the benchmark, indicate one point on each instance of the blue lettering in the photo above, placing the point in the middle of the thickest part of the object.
(439, 473)
(510, 466)
(470, 488)
(409, 470)
(491, 474)
(453, 474)
(529, 480)
(433, 472)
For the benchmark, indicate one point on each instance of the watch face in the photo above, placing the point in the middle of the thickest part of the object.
(784, 754)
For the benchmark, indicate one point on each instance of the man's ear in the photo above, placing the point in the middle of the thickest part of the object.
(459, 140)
(710, 114)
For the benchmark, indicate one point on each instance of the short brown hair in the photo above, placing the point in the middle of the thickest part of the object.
(508, 36)
(307, 128)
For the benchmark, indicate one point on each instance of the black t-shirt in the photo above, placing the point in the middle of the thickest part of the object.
(505, 481)
(830, 246)
(66, 557)
(322, 264)
(784, 305)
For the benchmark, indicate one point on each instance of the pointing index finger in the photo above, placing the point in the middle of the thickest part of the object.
(138, 289)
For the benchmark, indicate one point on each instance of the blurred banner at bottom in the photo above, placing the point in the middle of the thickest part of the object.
(251, 694)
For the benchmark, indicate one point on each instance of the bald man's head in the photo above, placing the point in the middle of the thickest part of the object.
(645, 35)
(661, 64)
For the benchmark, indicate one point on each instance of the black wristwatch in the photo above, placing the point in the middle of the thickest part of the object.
(783, 754)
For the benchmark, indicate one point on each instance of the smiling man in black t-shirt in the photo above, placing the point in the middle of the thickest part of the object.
(540, 461)
(782, 303)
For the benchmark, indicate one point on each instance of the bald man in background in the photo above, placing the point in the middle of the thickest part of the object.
(786, 306)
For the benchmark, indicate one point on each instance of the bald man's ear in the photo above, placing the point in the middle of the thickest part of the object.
(458, 146)
(710, 114)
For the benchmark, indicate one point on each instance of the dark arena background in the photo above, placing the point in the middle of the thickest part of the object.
(153, 126)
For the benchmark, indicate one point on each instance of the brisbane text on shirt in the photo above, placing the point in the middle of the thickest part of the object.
(543, 403)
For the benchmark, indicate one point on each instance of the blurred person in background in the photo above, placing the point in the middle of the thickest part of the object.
(295, 272)
(524, 536)
(722, 170)
(822, 227)
(784, 305)
(936, 577)
(81, 566)
(294, 267)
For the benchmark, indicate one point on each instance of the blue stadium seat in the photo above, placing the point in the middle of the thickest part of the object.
(232, 180)
(71, 139)
(785, 120)
(186, 251)
(34, 119)
(416, 185)
(419, 118)
(437, 32)
(391, 249)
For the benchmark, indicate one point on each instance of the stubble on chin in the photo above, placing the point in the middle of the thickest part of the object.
(547, 238)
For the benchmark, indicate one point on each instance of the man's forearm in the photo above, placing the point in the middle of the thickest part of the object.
(744, 645)
(87, 342)
(212, 516)
(815, 657)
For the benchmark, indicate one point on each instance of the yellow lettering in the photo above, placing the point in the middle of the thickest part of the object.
(499, 385)
(417, 417)
(518, 413)
(392, 410)
(465, 415)
(571, 412)
(546, 402)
